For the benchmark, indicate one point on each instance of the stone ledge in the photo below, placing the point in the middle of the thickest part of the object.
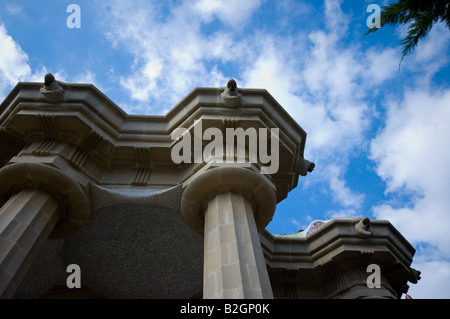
(337, 236)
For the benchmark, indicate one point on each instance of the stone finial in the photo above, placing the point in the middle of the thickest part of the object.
(51, 90)
(303, 166)
(364, 227)
(231, 94)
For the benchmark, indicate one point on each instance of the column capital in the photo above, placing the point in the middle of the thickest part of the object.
(76, 203)
(255, 187)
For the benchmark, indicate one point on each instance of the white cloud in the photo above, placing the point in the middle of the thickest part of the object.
(433, 45)
(431, 52)
(412, 154)
(412, 149)
(170, 56)
(13, 62)
(14, 9)
(295, 222)
(381, 65)
(14, 65)
(272, 68)
(231, 12)
(435, 277)
(344, 195)
(142, 83)
(335, 19)
(319, 84)
(86, 77)
(343, 213)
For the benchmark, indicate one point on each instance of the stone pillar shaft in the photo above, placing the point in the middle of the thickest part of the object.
(229, 206)
(234, 262)
(26, 221)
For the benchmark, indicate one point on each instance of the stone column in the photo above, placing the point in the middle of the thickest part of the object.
(39, 202)
(230, 206)
(26, 221)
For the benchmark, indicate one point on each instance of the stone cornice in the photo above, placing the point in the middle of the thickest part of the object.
(324, 244)
(94, 104)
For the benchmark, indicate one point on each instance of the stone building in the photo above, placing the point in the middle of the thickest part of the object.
(83, 183)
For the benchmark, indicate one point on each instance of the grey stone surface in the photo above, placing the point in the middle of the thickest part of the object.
(138, 251)
(47, 270)
(135, 249)
(161, 196)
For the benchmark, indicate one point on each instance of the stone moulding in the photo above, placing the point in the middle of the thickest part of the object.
(251, 185)
(77, 208)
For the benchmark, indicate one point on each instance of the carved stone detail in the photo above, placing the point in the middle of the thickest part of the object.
(51, 90)
(303, 166)
(414, 275)
(364, 227)
(45, 147)
(78, 157)
(49, 124)
(92, 140)
(230, 123)
(142, 176)
(142, 155)
(231, 95)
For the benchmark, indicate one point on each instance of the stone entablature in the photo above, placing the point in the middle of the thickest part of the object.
(83, 132)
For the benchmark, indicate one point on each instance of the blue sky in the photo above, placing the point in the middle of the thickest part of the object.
(378, 133)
